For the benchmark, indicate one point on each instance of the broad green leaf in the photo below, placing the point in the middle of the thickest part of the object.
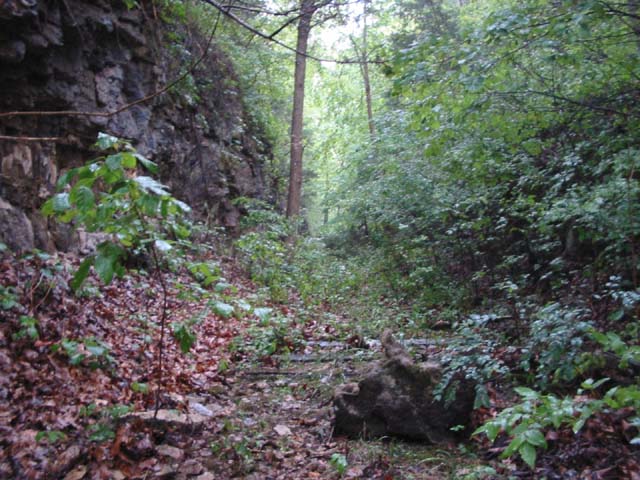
(114, 162)
(222, 286)
(184, 335)
(243, 305)
(148, 164)
(163, 245)
(47, 208)
(589, 383)
(66, 178)
(617, 315)
(149, 204)
(82, 197)
(513, 447)
(535, 437)
(182, 206)
(482, 397)
(526, 392)
(82, 273)
(528, 453)
(107, 261)
(150, 185)
(97, 350)
(139, 387)
(61, 203)
(181, 232)
(106, 141)
(128, 160)
(223, 309)
(263, 313)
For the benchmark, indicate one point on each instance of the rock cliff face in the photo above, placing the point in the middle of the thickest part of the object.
(97, 56)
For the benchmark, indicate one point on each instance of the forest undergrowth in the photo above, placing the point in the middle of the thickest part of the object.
(252, 397)
(171, 350)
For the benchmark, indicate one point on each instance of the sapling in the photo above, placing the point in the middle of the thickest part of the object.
(135, 212)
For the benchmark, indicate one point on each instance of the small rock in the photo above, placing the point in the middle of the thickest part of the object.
(282, 430)
(262, 386)
(184, 420)
(169, 451)
(68, 459)
(191, 467)
(200, 409)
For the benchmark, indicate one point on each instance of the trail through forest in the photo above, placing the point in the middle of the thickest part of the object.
(229, 409)
(464, 175)
(253, 399)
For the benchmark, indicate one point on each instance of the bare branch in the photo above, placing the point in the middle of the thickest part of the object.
(31, 139)
(271, 38)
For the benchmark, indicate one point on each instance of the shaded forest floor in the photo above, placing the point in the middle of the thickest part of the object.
(252, 399)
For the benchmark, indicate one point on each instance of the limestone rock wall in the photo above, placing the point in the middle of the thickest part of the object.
(96, 56)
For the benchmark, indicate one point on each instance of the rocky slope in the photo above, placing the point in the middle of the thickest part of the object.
(98, 56)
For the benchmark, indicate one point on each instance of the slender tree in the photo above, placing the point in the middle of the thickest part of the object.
(307, 9)
(364, 70)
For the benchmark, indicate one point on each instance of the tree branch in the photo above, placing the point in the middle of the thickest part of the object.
(30, 139)
(271, 38)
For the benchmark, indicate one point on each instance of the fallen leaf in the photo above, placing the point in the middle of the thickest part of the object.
(77, 473)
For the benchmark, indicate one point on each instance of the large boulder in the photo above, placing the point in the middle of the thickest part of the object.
(397, 399)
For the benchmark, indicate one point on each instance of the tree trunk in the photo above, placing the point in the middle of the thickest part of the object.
(365, 74)
(307, 9)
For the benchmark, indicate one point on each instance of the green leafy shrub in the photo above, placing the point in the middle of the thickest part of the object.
(51, 436)
(136, 213)
(263, 248)
(90, 351)
(28, 328)
(8, 298)
(526, 421)
(471, 354)
(555, 344)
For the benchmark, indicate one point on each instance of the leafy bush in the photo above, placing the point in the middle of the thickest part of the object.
(263, 248)
(471, 354)
(135, 212)
(28, 328)
(90, 351)
(555, 344)
(525, 421)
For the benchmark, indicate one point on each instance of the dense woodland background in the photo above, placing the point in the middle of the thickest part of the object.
(462, 171)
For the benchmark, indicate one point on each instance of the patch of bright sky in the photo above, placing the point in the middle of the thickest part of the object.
(334, 36)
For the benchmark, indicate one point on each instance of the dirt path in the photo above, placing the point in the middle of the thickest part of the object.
(77, 396)
(275, 423)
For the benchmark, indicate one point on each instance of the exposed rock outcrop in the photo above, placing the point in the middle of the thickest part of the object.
(97, 56)
(397, 399)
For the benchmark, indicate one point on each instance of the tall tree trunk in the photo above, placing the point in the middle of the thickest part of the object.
(365, 73)
(363, 58)
(307, 10)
